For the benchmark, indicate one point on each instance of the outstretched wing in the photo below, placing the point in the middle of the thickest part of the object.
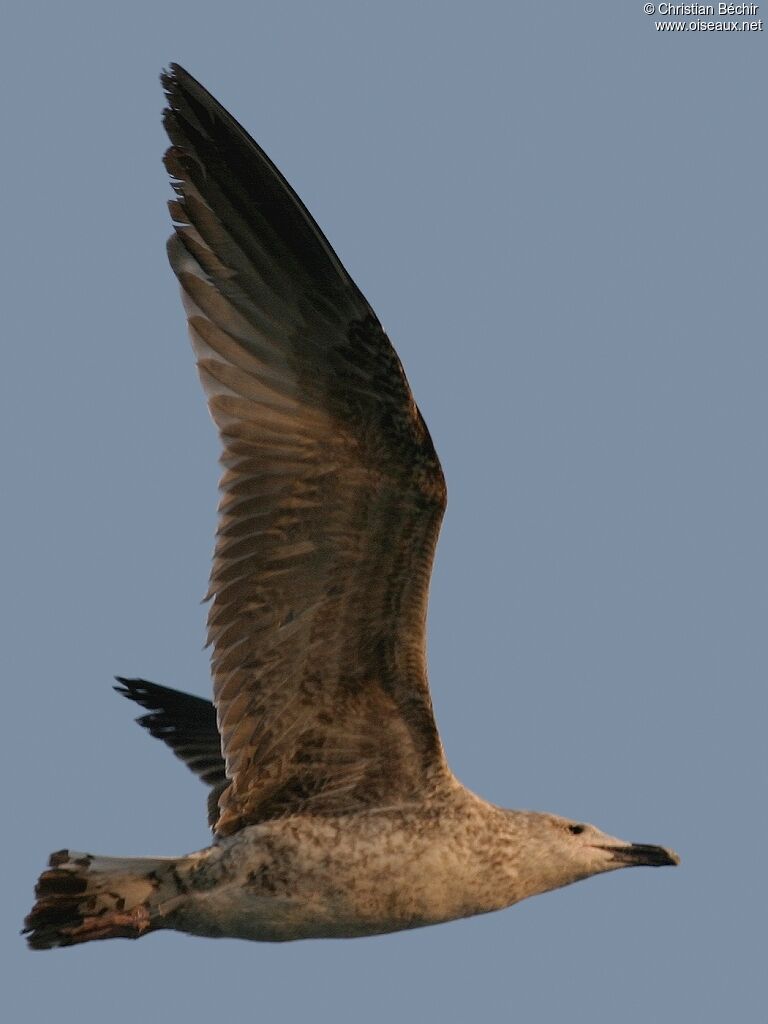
(187, 725)
(332, 494)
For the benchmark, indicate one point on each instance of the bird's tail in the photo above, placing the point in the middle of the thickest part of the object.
(80, 898)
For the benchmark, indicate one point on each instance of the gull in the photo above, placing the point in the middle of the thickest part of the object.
(333, 809)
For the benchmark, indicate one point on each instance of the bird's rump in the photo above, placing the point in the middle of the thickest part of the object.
(331, 497)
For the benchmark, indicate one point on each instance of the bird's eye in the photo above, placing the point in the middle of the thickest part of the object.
(575, 830)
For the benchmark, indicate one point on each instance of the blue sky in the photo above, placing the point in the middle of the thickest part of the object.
(558, 214)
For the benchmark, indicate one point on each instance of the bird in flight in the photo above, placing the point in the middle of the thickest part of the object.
(333, 809)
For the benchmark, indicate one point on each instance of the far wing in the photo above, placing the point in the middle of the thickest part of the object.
(187, 725)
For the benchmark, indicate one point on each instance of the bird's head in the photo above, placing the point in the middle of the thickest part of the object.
(560, 851)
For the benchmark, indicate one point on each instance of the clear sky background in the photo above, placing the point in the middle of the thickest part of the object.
(558, 214)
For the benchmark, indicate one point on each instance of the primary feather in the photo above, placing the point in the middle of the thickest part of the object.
(187, 725)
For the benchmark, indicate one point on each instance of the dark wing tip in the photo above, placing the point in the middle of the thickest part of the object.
(175, 77)
(144, 693)
(185, 723)
(163, 699)
(213, 154)
(182, 91)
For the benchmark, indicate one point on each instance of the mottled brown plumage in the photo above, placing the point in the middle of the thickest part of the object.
(332, 493)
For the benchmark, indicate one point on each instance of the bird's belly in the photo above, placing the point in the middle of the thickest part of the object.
(333, 907)
(235, 914)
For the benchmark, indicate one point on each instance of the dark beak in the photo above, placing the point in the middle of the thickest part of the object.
(637, 854)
